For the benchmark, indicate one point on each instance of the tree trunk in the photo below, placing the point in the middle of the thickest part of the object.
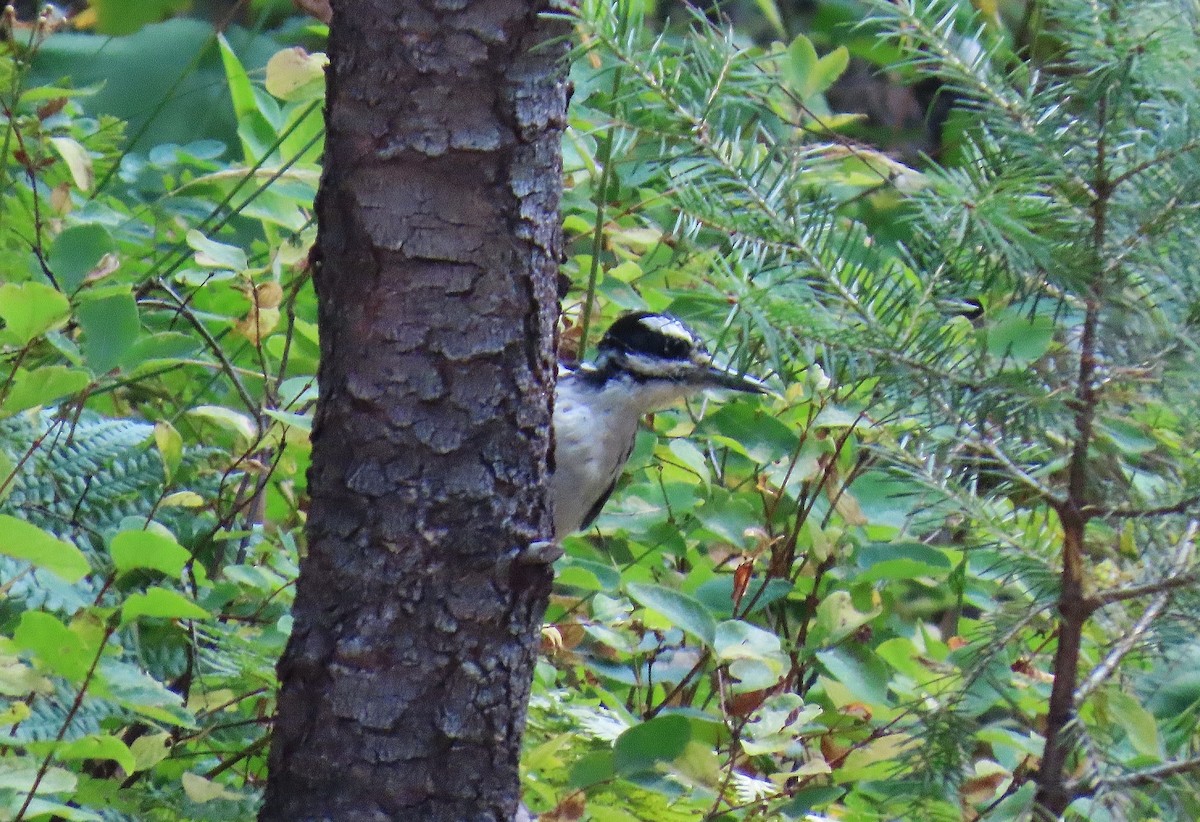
(404, 685)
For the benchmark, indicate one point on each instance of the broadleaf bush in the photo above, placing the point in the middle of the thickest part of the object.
(946, 572)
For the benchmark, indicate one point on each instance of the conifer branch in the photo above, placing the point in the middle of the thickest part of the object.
(1131, 637)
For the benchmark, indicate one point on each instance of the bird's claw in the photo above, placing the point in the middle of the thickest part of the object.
(541, 552)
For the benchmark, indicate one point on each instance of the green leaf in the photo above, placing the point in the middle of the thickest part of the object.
(297, 392)
(691, 457)
(906, 560)
(761, 436)
(183, 499)
(18, 679)
(682, 610)
(226, 418)
(294, 74)
(779, 725)
(289, 419)
(42, 386)
(165, 345)
(1129, 438)
(736, 639)
(729, 516)
(643, 748)
(149, 750)
(829, 68)
(55, 647)
(147, 549)
(809, 799)
(162, 604)
(837, 618)
(1020, 339)
(201, 790)
(137, 691)
(211, 254)
(21, 540)
(77, 251)
(30, 310)
(717, 594)
(1137, 722)
(47, 809)
(591, 769)
(802, 59)
(7, 468)
(110, 326)
(588, 575)
(18, 773)
(859, 671)
(94, 746)
(123, 17)
(239, 82)
(254, 128)
(806, 74)
(770, 10)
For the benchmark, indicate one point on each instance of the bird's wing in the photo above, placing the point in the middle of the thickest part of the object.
(595, 510)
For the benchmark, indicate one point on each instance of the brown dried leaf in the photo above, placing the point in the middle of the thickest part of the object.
(268, 295)
(320, 9)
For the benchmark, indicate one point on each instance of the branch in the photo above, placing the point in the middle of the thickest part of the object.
(1018, 473)
(88, 678)
(180, 307)
(1182, 507)
(1145, 165)
(1152, 776)
(1183, 555)
(1136, 591)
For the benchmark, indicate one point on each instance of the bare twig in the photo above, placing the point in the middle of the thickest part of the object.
(180, 305)
(1153, 776)
(1130, 638)
(1182, 507)
(1137, 591)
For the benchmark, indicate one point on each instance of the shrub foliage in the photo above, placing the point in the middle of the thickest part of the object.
(947, 572)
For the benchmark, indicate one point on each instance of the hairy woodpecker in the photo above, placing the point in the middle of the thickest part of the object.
(644, 363)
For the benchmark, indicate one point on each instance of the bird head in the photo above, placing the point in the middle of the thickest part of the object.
(658, 348)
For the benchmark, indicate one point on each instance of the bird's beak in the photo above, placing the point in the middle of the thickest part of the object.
(712, 375)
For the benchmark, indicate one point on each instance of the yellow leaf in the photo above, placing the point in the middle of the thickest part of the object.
(201, 790)
(291, 71)
(847, 506)
(183, 499)
(211, 700)
(78, 161)
(258, 324)
(268, 295)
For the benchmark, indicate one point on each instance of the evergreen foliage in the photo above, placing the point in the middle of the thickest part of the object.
(949, 573)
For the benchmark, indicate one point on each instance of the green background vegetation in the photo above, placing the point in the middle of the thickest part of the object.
(841, 601)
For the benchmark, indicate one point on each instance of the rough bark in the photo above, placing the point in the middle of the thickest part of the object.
(404, 685)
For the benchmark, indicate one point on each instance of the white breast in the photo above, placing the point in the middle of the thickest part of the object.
(594, 431)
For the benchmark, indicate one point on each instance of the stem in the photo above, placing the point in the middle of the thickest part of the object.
(601, 198)
(44, 768)
(1053, 793)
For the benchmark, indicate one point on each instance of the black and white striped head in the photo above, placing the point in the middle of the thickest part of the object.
(648, 347)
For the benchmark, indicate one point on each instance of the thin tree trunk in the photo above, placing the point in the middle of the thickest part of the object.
(404, 685)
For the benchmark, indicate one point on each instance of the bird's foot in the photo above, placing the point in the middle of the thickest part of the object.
(541, 552)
